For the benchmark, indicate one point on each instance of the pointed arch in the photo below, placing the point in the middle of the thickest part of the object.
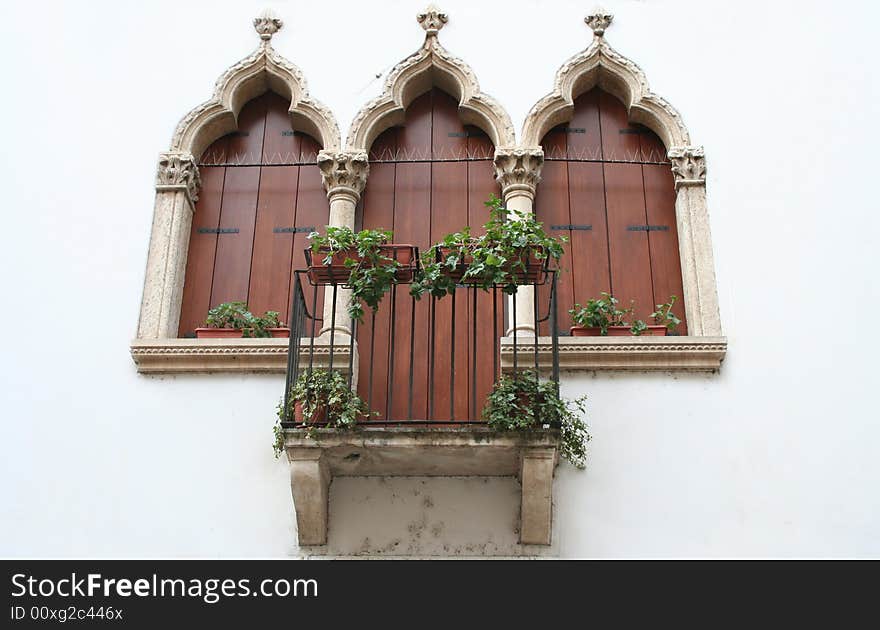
(262, 71)
(430, 66)
(600, 65)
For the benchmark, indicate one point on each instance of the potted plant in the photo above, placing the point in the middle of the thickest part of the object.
(602, 317)
(231, 320)
(363, 261)
(523, 402)
(510, 253)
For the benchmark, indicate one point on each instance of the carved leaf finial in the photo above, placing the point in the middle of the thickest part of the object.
(599, 20)
(432, 20)
(267, 24)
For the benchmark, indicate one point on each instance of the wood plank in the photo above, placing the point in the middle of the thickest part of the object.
(232, 264)
(552, 208)
(663, 245)
(377, 213)
(271, 261)
(202, 248)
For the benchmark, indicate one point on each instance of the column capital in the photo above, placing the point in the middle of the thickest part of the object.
(518, 171)
(688, 166)
(344, 173)
(178, 171)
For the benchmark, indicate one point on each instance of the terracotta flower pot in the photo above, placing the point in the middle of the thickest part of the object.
(299, 416)
(337, 272)
(236, 333)
(616, 331)
(528, 273)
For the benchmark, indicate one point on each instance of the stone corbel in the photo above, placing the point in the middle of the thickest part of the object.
(310, 486)
(536, 508)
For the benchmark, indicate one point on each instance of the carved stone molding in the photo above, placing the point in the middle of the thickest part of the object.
(518, 170)
(432, 19)
(262, 71)
(267, 24)
(688, 166)
(646, 354)
(599, 21)
(178, 171)
(431, 65)
(344, 172)
(599, 64)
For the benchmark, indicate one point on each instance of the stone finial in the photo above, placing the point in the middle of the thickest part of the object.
(518, 169)
(178, 171)
(688, 166)
(599, 21)
(432, 20)
(267, 24)
(344, 172)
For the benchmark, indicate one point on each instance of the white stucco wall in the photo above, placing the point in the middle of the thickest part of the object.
(776, 456)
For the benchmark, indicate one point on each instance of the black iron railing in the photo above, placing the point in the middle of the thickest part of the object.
(416, 361)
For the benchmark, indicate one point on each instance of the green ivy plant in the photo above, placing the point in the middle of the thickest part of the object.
(496, 258)
(371, 273)
(664, 316)
(599, 313)
(325, 397)
(236, 315)
(523, 402)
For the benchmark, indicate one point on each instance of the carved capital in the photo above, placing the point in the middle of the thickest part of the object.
(344, 172)
(518, 170)
(267, 24)
(178, 171)
(688, 166)
(432, 20)
(599, 21)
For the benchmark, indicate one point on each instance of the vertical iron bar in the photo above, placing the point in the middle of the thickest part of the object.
(372, 354)
(515, 351)
(431, 360)
(495, 342)
(535, 321)
(393, 315)
(292, 366)
(333, 327)
(314, 322)
(554, 332)
(351, 351)
(452, 363)
(474, 358)
(412, 357)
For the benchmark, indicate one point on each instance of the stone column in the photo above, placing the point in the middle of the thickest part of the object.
(310, 486)
(695, 241)
(344, 174)
(177, 188)
(536, 477)
(519, 171)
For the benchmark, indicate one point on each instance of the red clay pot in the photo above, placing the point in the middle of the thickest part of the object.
(337, 272)
(616, 331)
(235, 333)
(534, 267)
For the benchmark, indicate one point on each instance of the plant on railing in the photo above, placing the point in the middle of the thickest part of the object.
(509, 253)
(236, 315)
(321, 397)
(371, 271)
(523, 402)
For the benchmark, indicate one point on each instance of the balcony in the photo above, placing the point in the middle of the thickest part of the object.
(422, 369)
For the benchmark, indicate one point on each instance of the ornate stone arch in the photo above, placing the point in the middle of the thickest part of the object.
(431, 65)
(600, 65)
(177, 176)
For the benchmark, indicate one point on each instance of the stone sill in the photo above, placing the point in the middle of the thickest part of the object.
(701, 354)
(471, 450)
(181, 356)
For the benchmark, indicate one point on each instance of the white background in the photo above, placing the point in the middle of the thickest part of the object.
(776, 456)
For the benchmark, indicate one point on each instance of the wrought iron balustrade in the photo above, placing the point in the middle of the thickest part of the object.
(431, 361)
